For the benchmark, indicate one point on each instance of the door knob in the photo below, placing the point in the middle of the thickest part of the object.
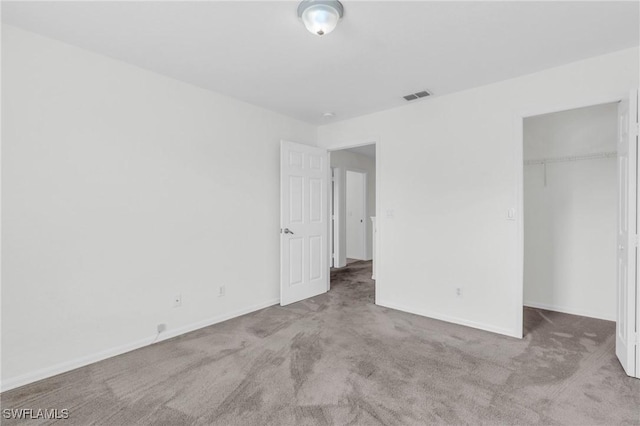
(621, 247)
(288, 231)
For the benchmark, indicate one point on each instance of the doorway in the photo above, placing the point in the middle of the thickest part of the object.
(353, 199)
(570, 205)
(313, 220)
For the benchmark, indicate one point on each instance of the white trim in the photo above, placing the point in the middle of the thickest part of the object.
(376, 234)
(355, 144)
(518, 321)
(329, 180)
(337, 221)
(73, 364)
(572, 311)
(453, 320)
(332, 217)
(532, 112)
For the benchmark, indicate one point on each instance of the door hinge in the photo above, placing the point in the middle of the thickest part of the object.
(637, 240)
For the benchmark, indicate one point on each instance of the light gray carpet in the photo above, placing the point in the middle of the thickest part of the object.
(339, 359)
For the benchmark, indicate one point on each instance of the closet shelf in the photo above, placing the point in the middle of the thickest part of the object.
(570, 158)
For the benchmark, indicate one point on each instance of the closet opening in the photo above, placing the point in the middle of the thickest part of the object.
(570, 219)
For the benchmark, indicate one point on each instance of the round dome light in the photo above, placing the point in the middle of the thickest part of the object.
(320, 17)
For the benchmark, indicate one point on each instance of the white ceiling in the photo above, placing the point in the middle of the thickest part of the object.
(260, 52)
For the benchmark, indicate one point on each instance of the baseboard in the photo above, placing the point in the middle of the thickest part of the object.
(571, 311)
(206, 323)
(454, 320)
(64, 367)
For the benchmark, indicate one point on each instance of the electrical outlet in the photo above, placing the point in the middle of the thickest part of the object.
(161, 328)
(458, 291)
(177, 301)
(222, 290)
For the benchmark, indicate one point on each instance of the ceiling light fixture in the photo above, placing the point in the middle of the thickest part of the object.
(320, 17)
(328, 115)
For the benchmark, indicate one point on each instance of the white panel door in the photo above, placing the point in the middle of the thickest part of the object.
(304, 222)
(626, 322)
(355, 220)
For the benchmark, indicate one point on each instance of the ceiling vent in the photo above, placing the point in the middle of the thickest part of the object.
(417, 95)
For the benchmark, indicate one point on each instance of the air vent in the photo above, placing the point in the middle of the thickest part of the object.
(417, 95)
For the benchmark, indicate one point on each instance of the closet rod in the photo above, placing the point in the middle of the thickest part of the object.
(572, 158)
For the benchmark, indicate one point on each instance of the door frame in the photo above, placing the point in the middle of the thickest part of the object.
(332, 214)
(374, 140)
(364, 201)
(519, 167)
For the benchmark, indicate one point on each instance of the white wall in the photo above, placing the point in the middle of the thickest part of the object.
(343, 160)
(570, 223)
(120, 189)
(449, 168)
